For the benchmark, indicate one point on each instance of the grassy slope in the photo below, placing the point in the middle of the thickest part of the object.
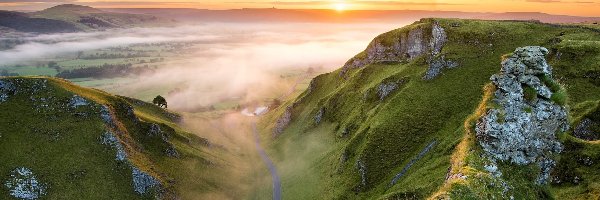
(73, 13)
(386, 135)
(64, 149)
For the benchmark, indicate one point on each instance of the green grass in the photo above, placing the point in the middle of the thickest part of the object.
(560, 97)
(386, 135)
(529, 93)
(571, 164)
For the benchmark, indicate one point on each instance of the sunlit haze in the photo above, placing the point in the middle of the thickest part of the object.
(299, 99)
(566, 7)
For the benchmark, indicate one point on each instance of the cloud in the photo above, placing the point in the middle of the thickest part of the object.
(43, 46)
(37, 1)
(404, 3)
(322, 3)
(560, 1)
(247, 66)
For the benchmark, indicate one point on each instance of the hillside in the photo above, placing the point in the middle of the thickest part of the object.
(23, 23)
(72, 18)
(398, 121)
(86, 18)
(62, 141)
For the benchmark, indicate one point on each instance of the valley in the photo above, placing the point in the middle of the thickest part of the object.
(457, 105)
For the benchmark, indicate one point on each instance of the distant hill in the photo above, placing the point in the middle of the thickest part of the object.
(349, 16)
(73, 18)
(86, 18)
(543, 17)
(22, 22)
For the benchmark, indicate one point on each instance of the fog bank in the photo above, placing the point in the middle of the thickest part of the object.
(224, 61)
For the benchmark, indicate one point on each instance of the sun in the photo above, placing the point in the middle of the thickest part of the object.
(340, 6)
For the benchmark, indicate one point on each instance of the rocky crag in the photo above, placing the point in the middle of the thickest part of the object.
(283, 121)
(23, 184)
(588, 127)
(420, 41)
(522, 124)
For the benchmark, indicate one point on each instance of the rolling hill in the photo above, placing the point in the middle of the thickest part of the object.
(23, 23)
(409, 117)
(74, 18)
(273, 15)
(87, 18)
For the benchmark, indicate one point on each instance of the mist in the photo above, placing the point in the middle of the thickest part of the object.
(246, 63)
(240, 61)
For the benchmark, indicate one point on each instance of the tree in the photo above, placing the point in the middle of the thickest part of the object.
(160, 101)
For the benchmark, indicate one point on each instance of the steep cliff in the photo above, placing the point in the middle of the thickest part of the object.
(404, 45)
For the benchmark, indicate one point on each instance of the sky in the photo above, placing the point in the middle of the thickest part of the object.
(566, 7)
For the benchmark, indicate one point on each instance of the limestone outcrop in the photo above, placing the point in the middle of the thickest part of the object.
(23, 184)
(6, 90)
(143, 182)
(77, 101)
(406, 46)
(522, 130)
(587, 129)
(283, 121)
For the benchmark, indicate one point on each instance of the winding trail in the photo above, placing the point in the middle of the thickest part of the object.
(269, 163)
(261, 151)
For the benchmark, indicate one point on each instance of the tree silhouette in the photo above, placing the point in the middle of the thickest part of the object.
(160, 101)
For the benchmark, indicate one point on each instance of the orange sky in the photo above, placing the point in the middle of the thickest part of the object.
(568, 7)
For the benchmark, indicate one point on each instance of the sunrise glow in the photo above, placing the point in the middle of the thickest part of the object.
(340, 7)
(563, 7)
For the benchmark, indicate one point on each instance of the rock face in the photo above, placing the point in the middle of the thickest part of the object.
(6, 90)
(406, 47)
(283, 121)
(436, 65)
(77, 101)
(110, 140)
(523, 131)
(107, 117)
(384, 89)
(585, 130)
(319, 116)
(143, 182)
(23, 184)
(156, 131)
(362, 171)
